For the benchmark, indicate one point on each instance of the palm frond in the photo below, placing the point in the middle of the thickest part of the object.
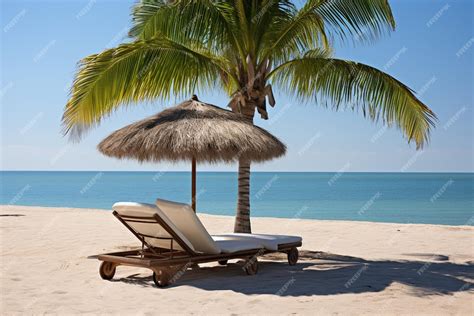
(265, 15)
(293, 32)
(138, 71)
(207, 21)
(144, 14)
(319, 21)
(363, 20)
(339, 83)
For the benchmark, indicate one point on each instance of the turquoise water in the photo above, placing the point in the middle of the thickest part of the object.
(435, 198)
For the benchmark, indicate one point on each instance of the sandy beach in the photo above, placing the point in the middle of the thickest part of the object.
(48, 265)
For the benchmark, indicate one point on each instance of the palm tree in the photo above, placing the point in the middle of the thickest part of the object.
(247, 47)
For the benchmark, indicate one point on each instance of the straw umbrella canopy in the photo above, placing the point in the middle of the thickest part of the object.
(193, 131)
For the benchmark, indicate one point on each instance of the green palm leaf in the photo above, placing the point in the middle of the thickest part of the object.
(139, 71)
(363, 20)
(295, 32)
(337, 83)
(319, 21)
(207, 21)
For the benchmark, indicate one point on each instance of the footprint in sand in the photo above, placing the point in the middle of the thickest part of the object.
(59, 292)
(64, 266)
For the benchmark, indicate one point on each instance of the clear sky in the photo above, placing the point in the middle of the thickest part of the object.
(431, 51)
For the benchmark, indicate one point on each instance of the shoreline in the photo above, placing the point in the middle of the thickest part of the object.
(309, 220)
(263, 171)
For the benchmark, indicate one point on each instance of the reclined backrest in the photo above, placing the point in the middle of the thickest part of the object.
(183, 216)
(152, 228)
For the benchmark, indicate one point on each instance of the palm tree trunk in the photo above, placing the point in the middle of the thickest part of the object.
(242, 219)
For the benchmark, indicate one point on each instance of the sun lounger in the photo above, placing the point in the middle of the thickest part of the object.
(183, 216)
(174, 239)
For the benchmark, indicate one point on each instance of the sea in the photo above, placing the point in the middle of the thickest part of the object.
(425, 198)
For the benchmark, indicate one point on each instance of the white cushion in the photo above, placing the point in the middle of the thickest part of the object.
(270, 242)
(233, 245)
(151, 229)
(183, 216)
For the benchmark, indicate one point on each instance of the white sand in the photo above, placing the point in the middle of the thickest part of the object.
(347, 268)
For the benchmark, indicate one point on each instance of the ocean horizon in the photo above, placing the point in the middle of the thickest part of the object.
(419, 198)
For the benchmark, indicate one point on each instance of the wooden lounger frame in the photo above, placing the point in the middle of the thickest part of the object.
(166, 263)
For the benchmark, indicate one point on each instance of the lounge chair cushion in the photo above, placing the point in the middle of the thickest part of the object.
(183, 216)
(151, 229)
(270, 242)
(233, 245)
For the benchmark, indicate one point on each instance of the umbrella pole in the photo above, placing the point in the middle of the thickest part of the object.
(193, 184)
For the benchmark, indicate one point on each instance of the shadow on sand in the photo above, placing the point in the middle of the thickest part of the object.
(319, 273)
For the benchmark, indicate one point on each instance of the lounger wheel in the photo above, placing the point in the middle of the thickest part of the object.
(251, 266)
(107, 270)
(162, 279)
(222, 262)
(293, 256)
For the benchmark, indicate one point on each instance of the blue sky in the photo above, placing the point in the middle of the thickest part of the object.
(431, 51)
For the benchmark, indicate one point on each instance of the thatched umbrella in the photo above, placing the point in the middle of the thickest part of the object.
(193, 131)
